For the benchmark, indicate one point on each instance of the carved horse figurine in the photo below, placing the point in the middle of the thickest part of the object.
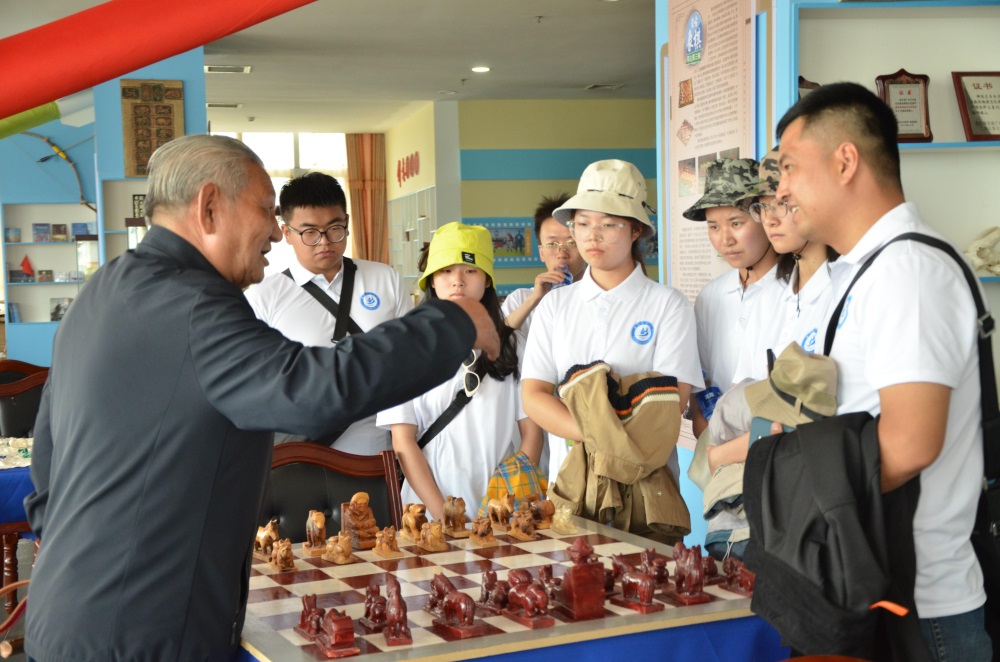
(501, 509)
(637, 586)
(266, 535)
(316, 529)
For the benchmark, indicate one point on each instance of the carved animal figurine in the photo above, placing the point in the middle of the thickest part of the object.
(543, 511)
(266, 535)
(310, 618)
(459, 609)
(528, 597)
(338, 549)
(549, 583)
(385, 543)
(316, 532)
(454, 514)
(374, 618)
(440, 587)
(709, 567)
(738, 578)
(482, 531)
(522, 523)
(654, 566)
(432, 537)
(282, 557)
(562, 520)
(336, 638)
(494, 595)
(397, 630)
(500, 509)
(414, 517)
(636, 586)
(689, 572)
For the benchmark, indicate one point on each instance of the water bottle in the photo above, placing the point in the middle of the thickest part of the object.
(706, 399)
(567, 280)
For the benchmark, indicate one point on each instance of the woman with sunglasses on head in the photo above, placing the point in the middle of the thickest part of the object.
(614, 313)
(787, 308)
(459, 460)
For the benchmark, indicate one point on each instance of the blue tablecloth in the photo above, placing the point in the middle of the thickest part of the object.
(15, 484)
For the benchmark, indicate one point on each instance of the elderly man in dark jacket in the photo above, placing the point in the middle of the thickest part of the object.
(153, 443)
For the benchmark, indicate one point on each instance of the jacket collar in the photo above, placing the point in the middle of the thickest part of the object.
(164, 243)
(626, 291)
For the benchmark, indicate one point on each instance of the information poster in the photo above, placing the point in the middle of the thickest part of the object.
(708, 95)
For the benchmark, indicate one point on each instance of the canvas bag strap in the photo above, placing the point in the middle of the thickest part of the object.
(341, 313)
(985, 323)
(460, 400)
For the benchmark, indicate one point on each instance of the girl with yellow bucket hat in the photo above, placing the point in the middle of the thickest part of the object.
(459, 458)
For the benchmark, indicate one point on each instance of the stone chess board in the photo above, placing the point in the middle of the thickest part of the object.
(275, 598)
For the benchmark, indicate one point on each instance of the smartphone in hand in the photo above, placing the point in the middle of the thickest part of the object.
(761, 427)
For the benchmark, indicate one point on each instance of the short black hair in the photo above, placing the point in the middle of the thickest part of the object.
(313, 189)
(545, 209)
(865, 119)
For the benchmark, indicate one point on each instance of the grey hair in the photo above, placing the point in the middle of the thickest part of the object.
(178, 169)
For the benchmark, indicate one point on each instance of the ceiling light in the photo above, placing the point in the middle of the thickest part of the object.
(215, 104)
(227, 68)
(446, 92)
(480, 70)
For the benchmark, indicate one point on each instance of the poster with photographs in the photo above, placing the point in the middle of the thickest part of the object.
(152, 114)
(708, 95)
(513, 242)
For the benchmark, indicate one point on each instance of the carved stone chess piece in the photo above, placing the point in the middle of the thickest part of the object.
(494, 593)
(282, 558)
(549, 582)
(338, 549)
(655, 566)
(310, 618)
(358, 520)
(432, 537)
(580, 595)
(543, 511)
(455, 517)
(440, 587)
(457, 611)
(737, 578)
(414, 517)
(710, 569)
(264, 541)
(336, 637)
(500, 510)
(522, 524)
(375, 604)
(386, 545)
(315, 544)
(637, 587)
(527, 602)
(482, 532)
(562, 520)
(397, 629)
(689, 576)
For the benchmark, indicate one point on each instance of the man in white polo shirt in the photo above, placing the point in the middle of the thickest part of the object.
(297, 301)
(905, 344)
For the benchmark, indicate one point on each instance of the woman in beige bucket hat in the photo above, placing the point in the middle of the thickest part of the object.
(614, 314)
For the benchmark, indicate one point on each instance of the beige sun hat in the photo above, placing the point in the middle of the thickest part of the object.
(611, 187)
(802, 388)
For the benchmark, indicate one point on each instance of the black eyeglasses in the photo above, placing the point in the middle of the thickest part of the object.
(312, 236)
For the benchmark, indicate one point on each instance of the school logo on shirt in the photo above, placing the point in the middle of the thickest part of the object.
(370, 301)
(642, 332)
(843, 313)
(809, 341)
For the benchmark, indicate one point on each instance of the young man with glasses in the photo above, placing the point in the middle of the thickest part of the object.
(563, 265)
(297, 301)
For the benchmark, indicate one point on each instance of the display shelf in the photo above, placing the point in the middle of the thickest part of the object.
(919, 147)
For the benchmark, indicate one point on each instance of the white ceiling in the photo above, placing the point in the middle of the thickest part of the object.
(364, 65)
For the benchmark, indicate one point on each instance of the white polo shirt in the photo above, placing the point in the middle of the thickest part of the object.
(911, 318)
(639, 326)
(722, 310)
(464, 454)
(781, 316)
(284, 305)
(513, 302)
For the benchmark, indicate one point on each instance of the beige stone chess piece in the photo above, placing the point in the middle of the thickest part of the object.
(282, 558)
(432, 537)
(562, 520)
(482, 532)
(455, 517)
(414, 517)
(338, 549)
(264, 541)
(522, 523)
(315, 544)
(982, 252)
(358, 520)
(500, 510)
(386, 545)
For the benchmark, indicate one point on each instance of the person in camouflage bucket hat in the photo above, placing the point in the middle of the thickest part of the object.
(727, 183)
(770, 174)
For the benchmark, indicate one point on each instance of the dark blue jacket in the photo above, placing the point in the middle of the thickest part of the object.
(153, 444)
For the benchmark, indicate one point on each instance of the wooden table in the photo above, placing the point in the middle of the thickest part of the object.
(723, 629)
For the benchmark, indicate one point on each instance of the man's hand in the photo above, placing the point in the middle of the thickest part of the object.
(545, 280)
(487, 338)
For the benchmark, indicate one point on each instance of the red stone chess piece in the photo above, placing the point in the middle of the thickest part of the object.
(581, 592)
(310, 619)
(336, 637)
(737, 578)
(655, 566)
(456, 610)
(494, 593)
(374, 618)
(397, 629)
(689, 577)
(527, 602)
(637, 587)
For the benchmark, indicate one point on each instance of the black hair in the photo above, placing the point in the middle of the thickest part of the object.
(865, 119)
(506, 363)
(313, 189)
(786, 263)
(545, 209)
